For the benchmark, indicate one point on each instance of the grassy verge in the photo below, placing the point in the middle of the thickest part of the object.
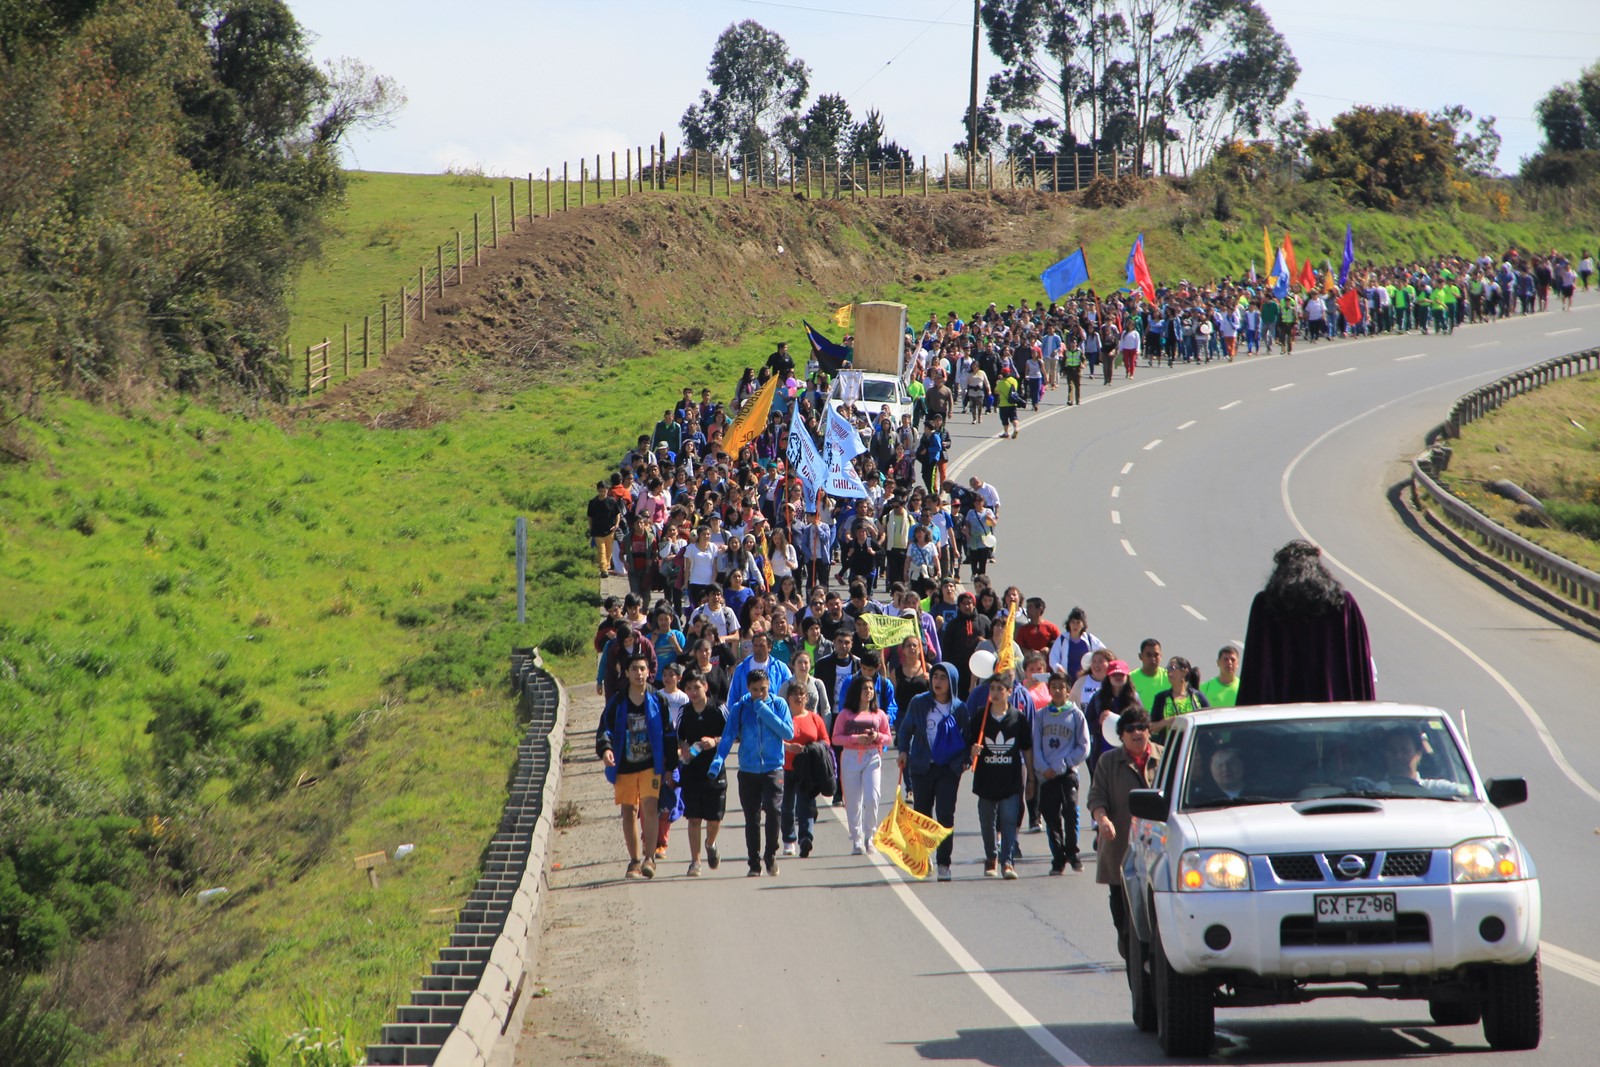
(1533, 442)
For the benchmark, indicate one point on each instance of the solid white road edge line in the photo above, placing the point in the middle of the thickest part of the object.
(1539, 727)
(1580, 967)
(965, 962)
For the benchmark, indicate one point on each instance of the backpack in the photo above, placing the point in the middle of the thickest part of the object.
(946, 744)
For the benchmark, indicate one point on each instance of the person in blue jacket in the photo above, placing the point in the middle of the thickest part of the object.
(760, 659)
(760, 723)
(636, 741)
(934, 753)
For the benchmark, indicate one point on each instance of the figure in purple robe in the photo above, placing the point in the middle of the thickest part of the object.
(1306, 641)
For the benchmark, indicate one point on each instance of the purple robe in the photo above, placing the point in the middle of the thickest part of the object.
(1317, 659)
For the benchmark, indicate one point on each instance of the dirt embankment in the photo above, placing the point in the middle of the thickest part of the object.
(635, 276)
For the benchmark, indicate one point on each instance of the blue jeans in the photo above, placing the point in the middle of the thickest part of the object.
(798, 813)
(1006, 813)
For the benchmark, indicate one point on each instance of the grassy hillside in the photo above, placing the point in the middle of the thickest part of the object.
(288, 600)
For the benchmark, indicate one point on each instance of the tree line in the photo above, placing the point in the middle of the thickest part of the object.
(164, 169)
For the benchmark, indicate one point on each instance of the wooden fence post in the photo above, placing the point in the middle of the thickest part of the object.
(547, 192)
(460, 277)
(1055, 173)
(638, 154)
(422, 294)
(694, 171)
(744, 175)
(627, 171)
(477, 242)
(902, 177)
(347, 350)
(989, 176)
(613, 175)
(404, 313)
(677, 183)
(1096, 172)
(383, 331)
(597, 177)
(793, 167)
(583, 182)
(511, 203)
(947, 172)
(924, 175)
(727, 173)
(494, 222)
(439, 266)
(366, 341)
(563, 195)
(530, 196)
(308, 370)
(853, 181)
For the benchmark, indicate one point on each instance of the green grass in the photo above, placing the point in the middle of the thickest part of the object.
(363, 580)
(1532, 441)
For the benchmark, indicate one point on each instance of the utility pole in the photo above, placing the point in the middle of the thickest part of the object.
(972, 106)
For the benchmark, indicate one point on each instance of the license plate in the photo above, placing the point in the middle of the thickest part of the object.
(1355, 908)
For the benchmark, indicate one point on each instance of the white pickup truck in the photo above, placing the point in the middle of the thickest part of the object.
(1324, 850)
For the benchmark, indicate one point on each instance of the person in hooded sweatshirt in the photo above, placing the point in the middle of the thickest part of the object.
(1060, 743)
(935, 783)
(961, 637)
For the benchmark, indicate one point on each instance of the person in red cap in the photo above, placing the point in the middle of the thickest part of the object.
(1116, 696)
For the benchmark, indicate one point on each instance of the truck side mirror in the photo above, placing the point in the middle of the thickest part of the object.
(1149, 804)
(1504, 792)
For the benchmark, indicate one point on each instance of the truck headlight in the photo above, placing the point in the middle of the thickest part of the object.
(1486, 859)
(1216, 868)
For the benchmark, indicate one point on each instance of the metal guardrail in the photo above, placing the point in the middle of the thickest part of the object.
(1578, 584)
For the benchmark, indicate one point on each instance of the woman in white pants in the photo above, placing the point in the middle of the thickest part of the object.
(861, 730)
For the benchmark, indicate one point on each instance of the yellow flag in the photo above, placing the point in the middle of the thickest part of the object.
(908, 839)
(886, 631)
(1004, 660)
(751, 421)
(841, 318)
(1266, 250)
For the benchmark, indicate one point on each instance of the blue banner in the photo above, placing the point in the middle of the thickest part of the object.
(1065, 276)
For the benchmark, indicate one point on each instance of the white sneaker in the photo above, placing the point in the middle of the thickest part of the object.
(856, 850)
(791, 850)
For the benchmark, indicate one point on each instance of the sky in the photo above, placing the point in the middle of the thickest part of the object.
(515, 86)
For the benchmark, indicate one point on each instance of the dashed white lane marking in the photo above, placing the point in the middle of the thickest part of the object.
(1558, 333)
(1152, 576)
(1421, 355)
(1152, 444)
(1126, 467)
(1188, 424)
(1484, 344)
(1581, 967)
(1116, 518)
(968, 965)
(1540, 727)
(1116, 491)
(1281, 388)
(1336, 373)
(1193, 612)
(1230, 404)
(1126, 547)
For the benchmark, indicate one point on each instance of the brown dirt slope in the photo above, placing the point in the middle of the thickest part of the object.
(661, 271)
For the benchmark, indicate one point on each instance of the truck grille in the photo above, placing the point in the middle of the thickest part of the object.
(1296, 868)
(1409, 927)
(1407, 864)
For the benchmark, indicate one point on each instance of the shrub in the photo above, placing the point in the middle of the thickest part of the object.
(1579, 517)
(29, 1034)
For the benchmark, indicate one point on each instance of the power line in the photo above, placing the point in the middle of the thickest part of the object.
(902, 51)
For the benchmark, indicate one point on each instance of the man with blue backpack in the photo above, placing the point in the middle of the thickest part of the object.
(931, 738)
(636, 741)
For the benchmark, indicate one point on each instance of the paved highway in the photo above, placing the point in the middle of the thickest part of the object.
(1157, 505)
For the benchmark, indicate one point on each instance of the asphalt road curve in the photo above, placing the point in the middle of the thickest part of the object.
(1157, 505)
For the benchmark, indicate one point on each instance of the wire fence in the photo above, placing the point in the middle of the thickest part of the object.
(686, 171)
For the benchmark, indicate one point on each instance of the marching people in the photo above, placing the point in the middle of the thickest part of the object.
(1131, 765)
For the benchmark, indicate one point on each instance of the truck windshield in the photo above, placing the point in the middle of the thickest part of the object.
(1285, 760)
(878, 391)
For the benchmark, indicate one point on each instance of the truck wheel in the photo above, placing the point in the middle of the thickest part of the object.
(1513, 1005)
(1455, 1012)
(1139, 987)
(1185, 1005)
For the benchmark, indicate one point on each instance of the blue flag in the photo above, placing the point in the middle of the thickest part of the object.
(1132, 281)
(1349, 256)
(1063, 277)
(1280, 275)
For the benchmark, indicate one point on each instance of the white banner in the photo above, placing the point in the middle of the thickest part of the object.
(804, 461)
(842, 440)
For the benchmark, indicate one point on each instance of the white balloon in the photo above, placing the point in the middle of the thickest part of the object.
(981, 664)
(1108, 729)
(1083, 664)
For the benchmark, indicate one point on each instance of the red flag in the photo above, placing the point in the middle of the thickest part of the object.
(1141, 273)
(1308, 277)
(1350, 306)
